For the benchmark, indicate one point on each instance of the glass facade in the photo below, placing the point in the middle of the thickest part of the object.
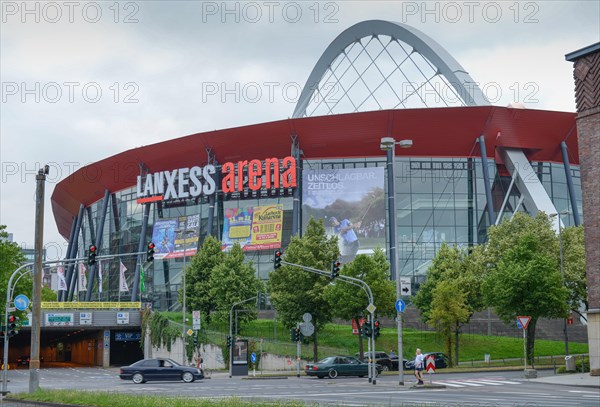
(437, 200)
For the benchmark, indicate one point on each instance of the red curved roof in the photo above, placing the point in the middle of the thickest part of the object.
(437, 132)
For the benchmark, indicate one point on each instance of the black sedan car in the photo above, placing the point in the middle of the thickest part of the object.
(334, 366)
(441, 360)
(159, 369)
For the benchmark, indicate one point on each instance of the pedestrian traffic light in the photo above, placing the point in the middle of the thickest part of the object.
(13, 325)
(277, 260)
(293, 337)
(150, 252)
(367, 332)
(92, 251)
(229, 341)
(335, 268)
(376, 331)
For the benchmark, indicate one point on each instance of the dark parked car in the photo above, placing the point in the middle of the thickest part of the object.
(334, 366)
(386, 361)
(159, 369)
(441, 361)
(23, 360)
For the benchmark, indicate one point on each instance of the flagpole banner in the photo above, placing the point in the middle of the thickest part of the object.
(99, 276)
(142, 279)
(123, 287)
(351, 203)
(62, 283)
(254, 227)
(82, 282)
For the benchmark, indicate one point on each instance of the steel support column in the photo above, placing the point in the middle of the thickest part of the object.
(142, 244)
(574, 209)
(296, 201)
(69, 248)
(99, 232)
(88, 210)
(74, 250)
(486, 179)
(115, 209)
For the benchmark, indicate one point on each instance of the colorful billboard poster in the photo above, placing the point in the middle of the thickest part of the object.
(351, 203)
(254, 227)
(163, 237)
(175, 237)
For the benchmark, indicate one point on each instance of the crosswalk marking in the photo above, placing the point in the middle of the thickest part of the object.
(465, 383)
(475, 382)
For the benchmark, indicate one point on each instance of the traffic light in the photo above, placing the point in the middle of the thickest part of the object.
(367, 332)
(150, 252)
(92, 251)
(296, 335)
(376, 326)
(335, 268)
(13, 325)
(229, 341)
(277, 260)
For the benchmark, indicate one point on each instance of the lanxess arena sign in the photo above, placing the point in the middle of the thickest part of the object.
(184, 183)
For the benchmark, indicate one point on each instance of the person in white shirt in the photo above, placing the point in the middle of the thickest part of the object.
(419, 365)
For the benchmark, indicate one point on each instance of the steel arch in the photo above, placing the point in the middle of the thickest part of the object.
(458, 77)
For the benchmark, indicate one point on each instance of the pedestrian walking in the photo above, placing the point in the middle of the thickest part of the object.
(419, 365)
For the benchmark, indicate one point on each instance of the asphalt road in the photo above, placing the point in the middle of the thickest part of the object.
(462, 389)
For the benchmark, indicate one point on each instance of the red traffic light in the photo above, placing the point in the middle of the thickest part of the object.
(376, 323)
(151, 245)
(337, 263)
(93, 249)
(278, 253)
(11, 319)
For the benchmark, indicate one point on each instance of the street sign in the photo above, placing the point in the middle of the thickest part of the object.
(400, 306)
(524, 321)
(253, 357)
(85, 318)
(307, 317)
(21, 302)
(122, 318)
(519, 324)
(196, 320)
(405, 286)
(371, 308)
(307, 328)
(189, 332)
(430, 364)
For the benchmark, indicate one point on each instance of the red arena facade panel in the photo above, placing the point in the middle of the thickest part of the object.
(436, 132)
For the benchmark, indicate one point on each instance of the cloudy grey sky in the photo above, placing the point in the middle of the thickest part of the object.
(85, 80)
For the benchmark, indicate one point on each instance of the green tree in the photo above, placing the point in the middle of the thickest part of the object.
(11, 257)
(457, 266)
(349, 301)
(448, 310)
(198, 276)
(294, 291)
(574, 266)
(524, 277)
(233, 281)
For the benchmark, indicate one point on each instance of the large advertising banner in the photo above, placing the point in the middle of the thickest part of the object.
(351, 203)
(175, 237)
(254, 227)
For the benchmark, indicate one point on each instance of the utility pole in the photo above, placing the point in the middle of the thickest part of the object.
(34, 362)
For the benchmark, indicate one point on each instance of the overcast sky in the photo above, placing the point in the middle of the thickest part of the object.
(82, 81)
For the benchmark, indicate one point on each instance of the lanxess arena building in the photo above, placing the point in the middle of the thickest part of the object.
(471, 165)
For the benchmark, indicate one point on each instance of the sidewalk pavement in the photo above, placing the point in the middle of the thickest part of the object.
(571, 379)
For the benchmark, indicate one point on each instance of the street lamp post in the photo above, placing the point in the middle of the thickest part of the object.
(562, 271)
(388, 144)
